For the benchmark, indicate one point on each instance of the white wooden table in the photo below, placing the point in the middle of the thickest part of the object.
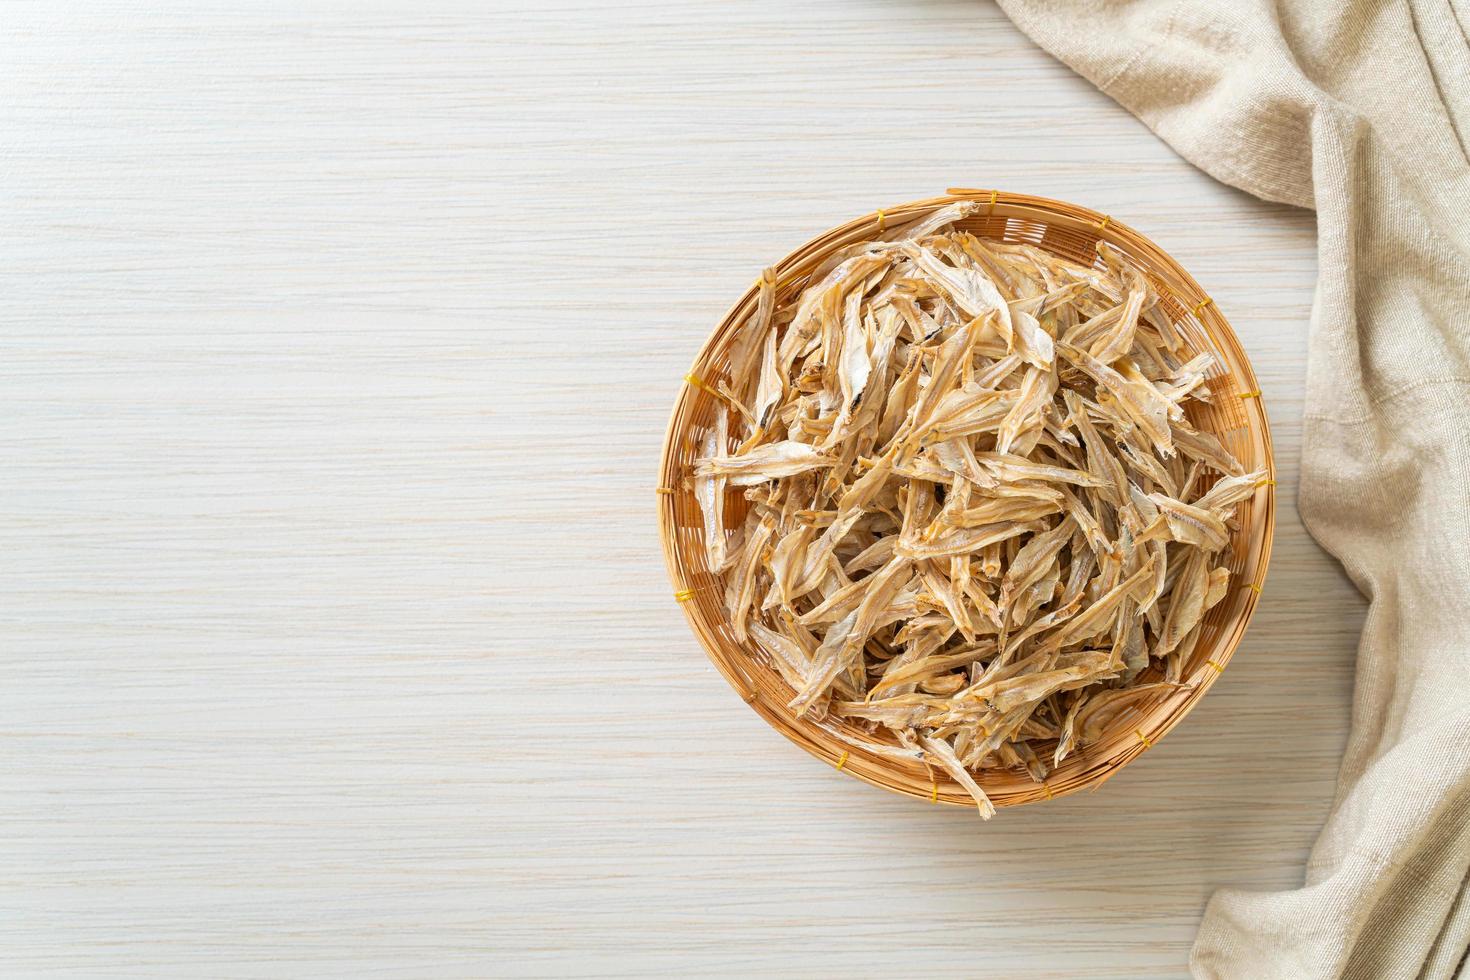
(335, 354)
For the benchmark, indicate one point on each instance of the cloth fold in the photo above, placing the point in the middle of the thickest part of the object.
(1359, 109)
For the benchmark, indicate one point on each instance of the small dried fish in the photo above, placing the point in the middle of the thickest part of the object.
(979, 528)
(941, 752)
(709, 490)
(763, 463)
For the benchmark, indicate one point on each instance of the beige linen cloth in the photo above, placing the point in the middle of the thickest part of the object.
(1360, 110)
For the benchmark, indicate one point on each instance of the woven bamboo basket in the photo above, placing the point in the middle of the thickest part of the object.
(1236, 416)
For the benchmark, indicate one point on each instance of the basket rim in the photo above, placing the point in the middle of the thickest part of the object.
(1245, 595)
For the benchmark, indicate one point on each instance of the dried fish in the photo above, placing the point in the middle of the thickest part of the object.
(979, 529)
(762, 463)
(941, 752)
(709, 490)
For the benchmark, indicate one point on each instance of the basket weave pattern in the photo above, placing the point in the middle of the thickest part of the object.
(1235, 416)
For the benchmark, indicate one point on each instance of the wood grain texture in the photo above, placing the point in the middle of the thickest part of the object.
(336, 353)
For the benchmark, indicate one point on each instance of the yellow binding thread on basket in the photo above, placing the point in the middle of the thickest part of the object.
(991, 212)
(1201, 305)
(664, 491)
(842, 761)
(1253, 587)
(684, 595)
(1103, 224)
(1218, 668)
(1249, 394)
(1265, 483)
(695, 380)
(1143, 738)
(882, 226)
(1047, 790)
(934, 797)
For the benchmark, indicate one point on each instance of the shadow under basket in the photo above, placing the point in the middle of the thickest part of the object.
(1235, 416)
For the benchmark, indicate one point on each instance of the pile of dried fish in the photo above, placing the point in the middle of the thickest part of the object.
(977, 509)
